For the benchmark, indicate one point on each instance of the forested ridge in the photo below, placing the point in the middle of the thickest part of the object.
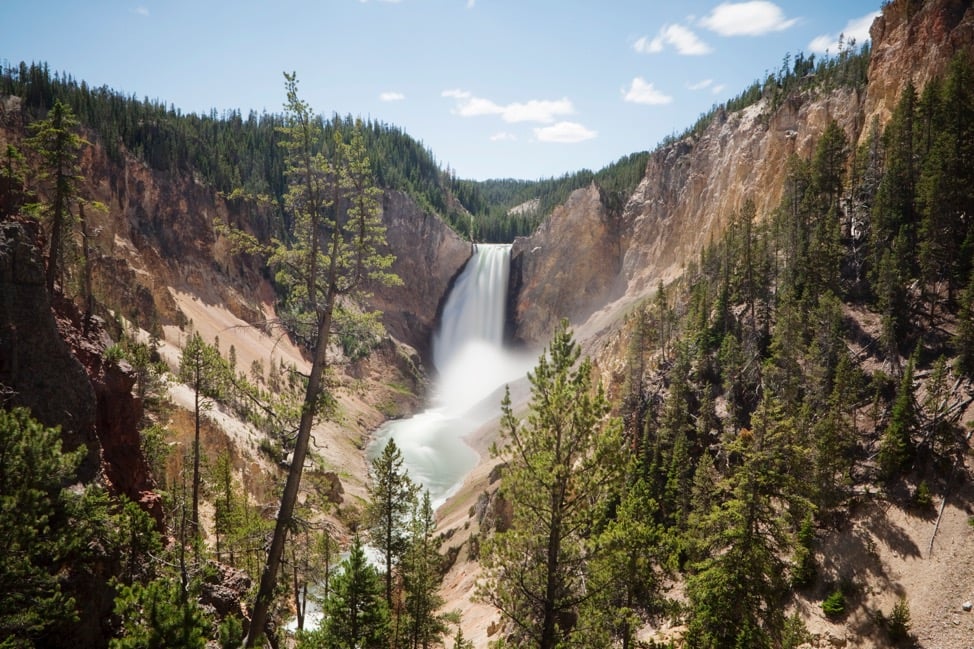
(811, 361)
(241, 154)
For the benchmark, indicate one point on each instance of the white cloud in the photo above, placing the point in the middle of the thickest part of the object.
(646, 46)
(700, 85)
(535, 110)
(682, 39)
(564, 133)
(391, 96)
(752, 18)
(142, 11)
(719, 88)
(543, 111)
(503, 136)
(471, 3)
(642, 92)
(856, 29)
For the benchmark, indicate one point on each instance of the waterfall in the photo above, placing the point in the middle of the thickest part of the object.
(472, 366)
(474, 310)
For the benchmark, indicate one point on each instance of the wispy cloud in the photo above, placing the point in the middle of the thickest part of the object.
(753, 18)
(535, 110)
(856, 29)
(503, 136)
(641, 91)
(719, 88)
(391, 96)
(682, 39)
(471, 4)
(141, 10)
(700, 85)
(564, 133)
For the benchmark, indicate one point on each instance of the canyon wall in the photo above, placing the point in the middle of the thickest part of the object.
(693, 186)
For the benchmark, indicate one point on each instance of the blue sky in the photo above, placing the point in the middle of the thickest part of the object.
(495, 88)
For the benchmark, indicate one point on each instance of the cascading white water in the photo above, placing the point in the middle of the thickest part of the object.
(474, 310)
(472, 365)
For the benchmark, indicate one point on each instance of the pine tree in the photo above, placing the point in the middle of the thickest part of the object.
(562, 461)
(392, 498)
(203, 369)
(355, 612)
(58, 536)
(332, 255)
(38, 534)
(740, 574)
(896, 446)
(624, 574)
(421, 581)
(946, 184)
(964, 338)
(57, 144)
(157, 615)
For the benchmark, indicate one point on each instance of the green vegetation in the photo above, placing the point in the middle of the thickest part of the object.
(732, 499)
(329, 259)
(355, 613)
(242, 157)
(56, 142)
(561, 463)
(834, 605)
(55, 534)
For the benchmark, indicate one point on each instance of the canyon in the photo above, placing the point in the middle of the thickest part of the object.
(165, 266)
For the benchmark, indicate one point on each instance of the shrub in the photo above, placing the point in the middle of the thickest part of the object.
(834, 605)
(898, 624)
(922, 497)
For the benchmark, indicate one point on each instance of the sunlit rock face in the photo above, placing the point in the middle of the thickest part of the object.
(429, 256)
(589, 266)
(566, 269)
(913, 43)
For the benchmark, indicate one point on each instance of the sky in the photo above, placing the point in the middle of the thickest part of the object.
(494, 88)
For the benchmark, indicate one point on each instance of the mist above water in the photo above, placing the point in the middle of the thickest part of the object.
(472, 369)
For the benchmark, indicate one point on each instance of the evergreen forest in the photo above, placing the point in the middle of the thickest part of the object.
(242, 156)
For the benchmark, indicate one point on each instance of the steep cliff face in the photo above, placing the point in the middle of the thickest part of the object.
(429, 255)
(913, 41)
(157, 236)
(688, 194)
(692, 187)
(568, 267)
(52, 362)
(37, 369)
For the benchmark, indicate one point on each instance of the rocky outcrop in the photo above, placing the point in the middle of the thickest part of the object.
(52, 361)
(583, 258)
(118, 412)
(160, 233)
(37, 368)
(429, 256)
(568, 267)
(913, 41)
